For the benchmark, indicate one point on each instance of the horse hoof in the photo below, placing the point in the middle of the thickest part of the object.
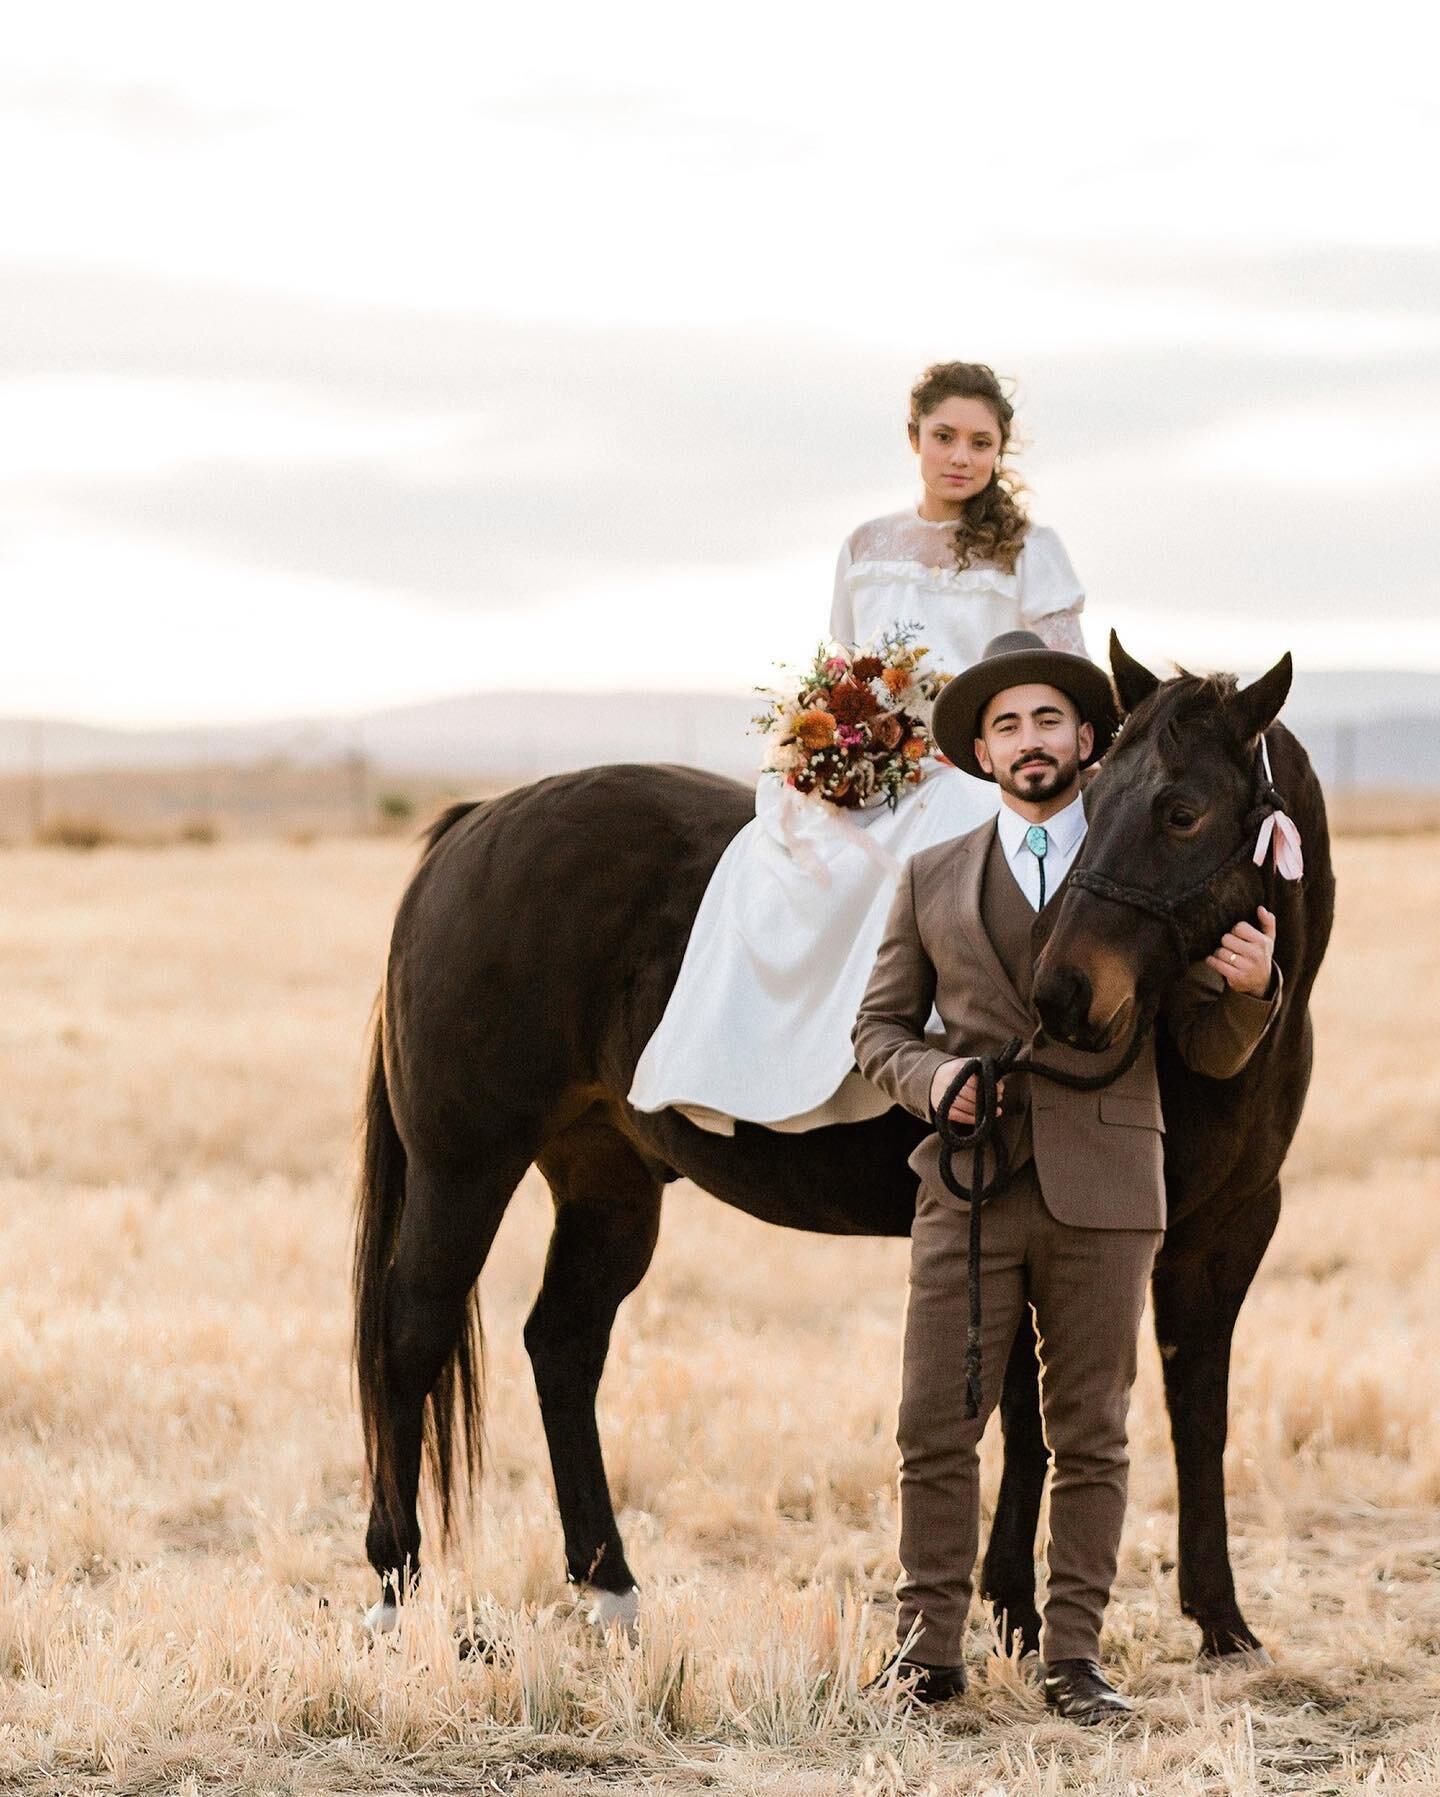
(382, 1618)
(1246, 1659)
(616, 1609)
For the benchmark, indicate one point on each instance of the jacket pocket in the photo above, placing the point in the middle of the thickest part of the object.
(1138, 1110)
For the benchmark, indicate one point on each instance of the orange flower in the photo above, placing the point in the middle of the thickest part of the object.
(914, 749)
(896, 680)
(816, 729)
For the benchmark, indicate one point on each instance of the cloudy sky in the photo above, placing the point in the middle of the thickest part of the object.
(353, 355)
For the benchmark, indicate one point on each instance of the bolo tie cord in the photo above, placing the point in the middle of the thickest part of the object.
(1038, 841)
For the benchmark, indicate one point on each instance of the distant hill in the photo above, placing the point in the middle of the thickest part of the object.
(1361, 729)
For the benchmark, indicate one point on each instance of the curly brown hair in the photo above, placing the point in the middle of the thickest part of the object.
(992, 523)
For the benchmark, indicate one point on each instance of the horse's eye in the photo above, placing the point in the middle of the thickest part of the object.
(1181, 817)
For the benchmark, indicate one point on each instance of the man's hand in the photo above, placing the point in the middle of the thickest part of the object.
(1245, 957)
(963, 1109)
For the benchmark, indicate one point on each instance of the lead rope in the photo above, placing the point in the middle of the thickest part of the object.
(988, 1070)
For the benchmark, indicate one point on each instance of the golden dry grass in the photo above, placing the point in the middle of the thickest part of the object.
(180, 1505)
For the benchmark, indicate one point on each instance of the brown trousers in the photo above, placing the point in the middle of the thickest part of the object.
(1087, 1289)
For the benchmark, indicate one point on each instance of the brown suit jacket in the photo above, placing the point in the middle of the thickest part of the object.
(1099, 1156)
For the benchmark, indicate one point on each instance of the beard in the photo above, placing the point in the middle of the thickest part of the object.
(1041, 779)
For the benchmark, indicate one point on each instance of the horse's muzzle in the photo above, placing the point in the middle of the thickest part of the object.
(1067, 1003)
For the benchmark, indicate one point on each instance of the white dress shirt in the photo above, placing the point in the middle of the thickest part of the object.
(1066, 831)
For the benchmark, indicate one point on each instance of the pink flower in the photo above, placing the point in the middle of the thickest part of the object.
(836, 664)
(850, 737)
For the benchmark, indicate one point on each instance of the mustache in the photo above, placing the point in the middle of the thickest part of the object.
(1035, 761)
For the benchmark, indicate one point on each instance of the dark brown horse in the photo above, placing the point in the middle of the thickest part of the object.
(531, 959)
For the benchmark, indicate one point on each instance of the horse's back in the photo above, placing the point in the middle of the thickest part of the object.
(640, 810)
(548, 924)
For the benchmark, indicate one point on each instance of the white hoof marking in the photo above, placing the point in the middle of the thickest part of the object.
(616, 1609)
(383, 1618)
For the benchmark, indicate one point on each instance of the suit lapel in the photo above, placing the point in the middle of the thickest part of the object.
(971, 924)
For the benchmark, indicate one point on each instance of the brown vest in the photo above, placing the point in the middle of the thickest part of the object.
(1008, 919)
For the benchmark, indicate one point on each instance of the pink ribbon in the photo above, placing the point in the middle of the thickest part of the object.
(1289, 861)
(805, 856)
(1279, 830)
(882, 858)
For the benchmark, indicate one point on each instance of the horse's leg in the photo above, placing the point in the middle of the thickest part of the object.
(1201, 1276)
(1007, 1583)
(445, 1232)
(607, 1218)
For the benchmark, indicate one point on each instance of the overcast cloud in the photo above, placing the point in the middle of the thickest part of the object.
(340, 373)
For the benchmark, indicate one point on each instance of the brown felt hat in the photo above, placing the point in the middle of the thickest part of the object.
(1019, 658)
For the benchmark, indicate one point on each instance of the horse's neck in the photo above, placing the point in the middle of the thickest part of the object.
(1299, 788)
(1303, 908)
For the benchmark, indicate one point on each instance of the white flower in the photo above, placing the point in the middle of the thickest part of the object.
(781, 757)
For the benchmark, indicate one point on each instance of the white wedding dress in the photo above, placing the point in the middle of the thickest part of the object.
(758, 1025)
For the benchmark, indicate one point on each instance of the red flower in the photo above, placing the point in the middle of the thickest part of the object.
(851, 703)
(867, 667)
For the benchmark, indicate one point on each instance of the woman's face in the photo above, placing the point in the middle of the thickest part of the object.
(958, 444)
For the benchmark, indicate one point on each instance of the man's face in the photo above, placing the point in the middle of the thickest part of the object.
(1032, 740)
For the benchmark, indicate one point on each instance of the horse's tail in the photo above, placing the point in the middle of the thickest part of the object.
(447, 820)
(379, 1203)
(458, 1389)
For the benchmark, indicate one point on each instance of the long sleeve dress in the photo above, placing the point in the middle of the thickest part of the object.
(758, 1024)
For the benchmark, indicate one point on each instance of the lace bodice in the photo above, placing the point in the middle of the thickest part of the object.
(901, 568)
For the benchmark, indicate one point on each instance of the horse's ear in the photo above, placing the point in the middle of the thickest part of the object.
(1255, 707)
(1133, 680)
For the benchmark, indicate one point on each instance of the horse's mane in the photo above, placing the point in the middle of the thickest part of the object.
(1187, 698)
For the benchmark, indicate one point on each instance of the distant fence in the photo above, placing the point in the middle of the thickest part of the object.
(272, 796)
(321, 780)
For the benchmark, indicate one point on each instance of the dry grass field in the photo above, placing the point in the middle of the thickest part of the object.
(180, 1506)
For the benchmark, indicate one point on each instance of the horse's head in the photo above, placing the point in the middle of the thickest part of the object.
(1167, 865)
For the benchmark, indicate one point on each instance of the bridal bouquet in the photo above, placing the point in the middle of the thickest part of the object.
(857, 728)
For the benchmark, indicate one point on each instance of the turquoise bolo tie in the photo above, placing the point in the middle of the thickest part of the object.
(1038, 842)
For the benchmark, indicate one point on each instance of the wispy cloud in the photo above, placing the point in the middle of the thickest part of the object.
(149, 113)
(561, 452)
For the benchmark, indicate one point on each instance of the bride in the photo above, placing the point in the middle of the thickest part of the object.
(758, 1025)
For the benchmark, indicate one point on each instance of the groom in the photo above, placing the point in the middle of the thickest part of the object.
(1074, 1229)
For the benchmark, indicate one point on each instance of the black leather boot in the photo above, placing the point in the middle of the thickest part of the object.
(1080, 1691)
(928, 1684)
